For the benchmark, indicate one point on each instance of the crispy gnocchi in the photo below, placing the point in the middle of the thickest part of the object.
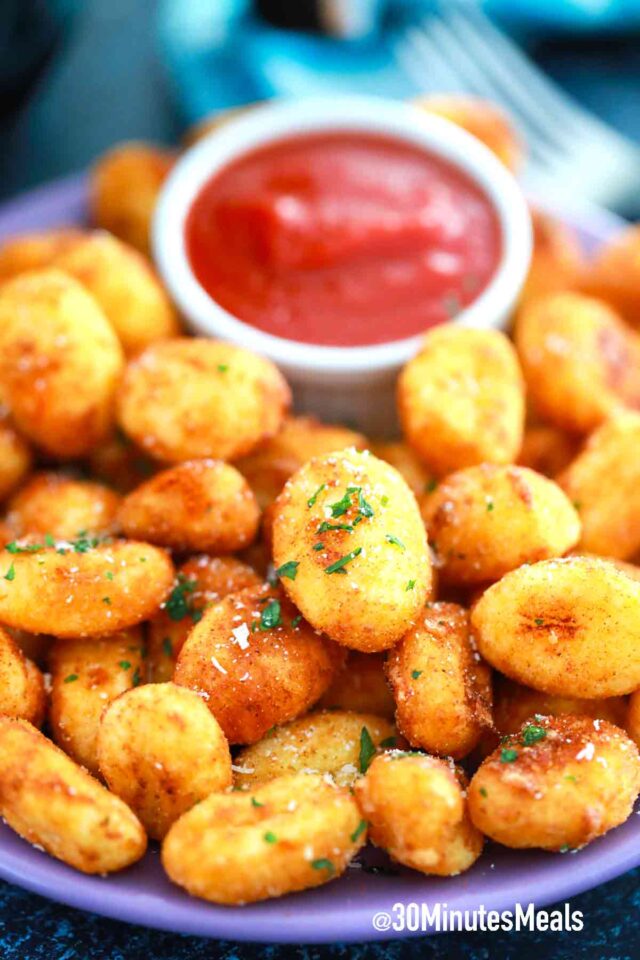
(198, 505)
(256, 662)
(15, 456)
(567, 627)
(557, 262)
(580, 362)
(293, 833)
(487, 520)
(56, 805)
(35, 251)
(348, 539)
(173, 393)
(614, 274)
(22, 692)
(441, 688)
(86, 675)
(84, 587)
(338, 744)
(557, 784)
(60, 362)
(461, 399)
(361, 686)
(62, 506)
(415, 807)
(162, 751)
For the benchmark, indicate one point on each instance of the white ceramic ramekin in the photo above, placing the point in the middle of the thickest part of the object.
(348, 384)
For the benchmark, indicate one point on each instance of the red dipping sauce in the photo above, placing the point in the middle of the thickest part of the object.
(344, 239)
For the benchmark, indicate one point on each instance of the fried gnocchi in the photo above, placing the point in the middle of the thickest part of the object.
(557, 262)
(197, 505)
(84, 587)
(416, 810)
(461, 399)
(35, 251)
(22, 692)
(60, 362)
(338, 744)
(174, 391)
(63, 507)
(581, 363)
(256, 662)
(86, 675)
(348, 539)
(162, 751)
(441, 688)
(567, 627)
(361, 686)
(291, 834)
(15, 456)
(487, 520)
(557, 784)
(56, 805)
(614, 274)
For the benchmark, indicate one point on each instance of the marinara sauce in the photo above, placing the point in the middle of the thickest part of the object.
(343, 239)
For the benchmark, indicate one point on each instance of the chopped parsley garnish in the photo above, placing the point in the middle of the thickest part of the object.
(256, 803)
(323, 864)
(565, 848)
(390, 538)
(296, 621)
(15, 547)
(223, 367)
(532, 733)
(430, 485)
(410, 585)
(367, 750)
(388, 743)
(271, 616)
(178, 606)
(136, 677)
(508, 755)
(359, 830)
(11, 573)
(384, 500)
(483, 792)
(70, 678)
(490, 506)
(325, 526)
(366, 510)
(167, 647)
(340, 507)
(109, 574)
(107, 600)
(83, 543)
(270, 837)
(124, 664)
(415, 674)
(340, 564)
(49, 541)
(288, 570)
(539, 622)
(571, 777)
(311, 501)
(318, 546)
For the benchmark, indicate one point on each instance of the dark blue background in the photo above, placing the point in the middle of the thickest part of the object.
(104, 84)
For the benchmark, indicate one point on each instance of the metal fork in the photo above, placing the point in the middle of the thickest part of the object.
(571, 152)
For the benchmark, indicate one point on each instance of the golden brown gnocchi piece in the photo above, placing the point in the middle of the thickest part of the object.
(408, 464)
(580, 362)
(487, 520)
(348, 539)
(118, 462)
(53, 803)
(174, 393)
(299, 439)
(124, 187)
(557, 784)
(197, 505)
(83, 588)
(35, 251)
(126, 287)
(441, 688)
(293, 833)
(62, 506)
(361, 686)
(614, 275)
(416, 810)
(86, 675)
(60, 362)
(22, 692)
(567, 627)
(547, 450)
(483, 119)
(15, 456)
(256, 662)
(557, 261)
(339, 744)
(200, 582)
(162, 751)
(604, 484)
(461, 399)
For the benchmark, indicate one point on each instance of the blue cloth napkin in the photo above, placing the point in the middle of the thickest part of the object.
(219, 54)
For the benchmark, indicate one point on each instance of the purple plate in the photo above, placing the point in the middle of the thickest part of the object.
(340, 911)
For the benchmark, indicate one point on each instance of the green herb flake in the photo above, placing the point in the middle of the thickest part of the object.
(384, 500)
(107, 600)
(167, 647)
(388, 743)
(483, 792)
(532, 733)
(359, 830)
(109, 574)
(271, 616)
(288, 570)
(256, 803)
(539, 622)
(565, 848)
(430, 485)
(415, 674)
(83, 543)
(325, 526)
(223, 367)
(323, 864)
(365, 508)
(311, 501)
(571, 777)
(490, 506)
(367, 750)
(124, 664)
(136, 679)
(390, 538)
(49, 541)
(70, 678)
(410, 585)
(340, 507)
(340, 564)
(318, 546)
(11, 573)
(270, 837)
(508, 755)
(178, 606)
(296, 621)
